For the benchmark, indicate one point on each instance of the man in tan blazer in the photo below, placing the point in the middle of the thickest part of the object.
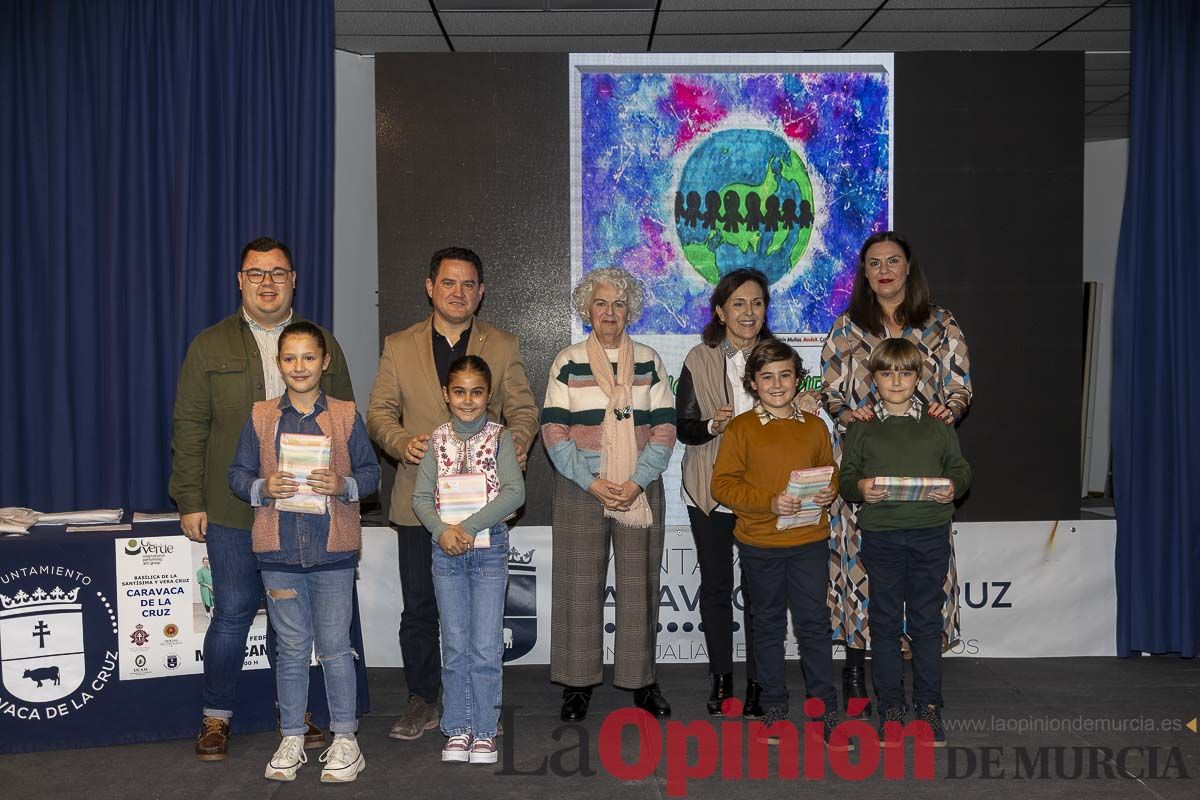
(406, 406)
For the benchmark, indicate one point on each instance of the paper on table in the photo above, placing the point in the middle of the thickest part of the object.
(91, 528)
(166, 516)
(907, 490)
(805, 484)
(300, 454)
(98, 516)
(14, 519)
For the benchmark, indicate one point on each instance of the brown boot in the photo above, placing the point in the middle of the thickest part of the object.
(213, 741)
(314, 736)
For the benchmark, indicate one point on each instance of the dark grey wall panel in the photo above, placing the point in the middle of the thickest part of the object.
(989, 188)
(472, 150)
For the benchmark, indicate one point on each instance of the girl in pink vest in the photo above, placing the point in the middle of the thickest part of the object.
(468, 484)
(308, 559)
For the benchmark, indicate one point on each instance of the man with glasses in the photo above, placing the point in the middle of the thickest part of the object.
(227, 368)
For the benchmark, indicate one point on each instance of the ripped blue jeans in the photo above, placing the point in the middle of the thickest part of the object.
(307, 608)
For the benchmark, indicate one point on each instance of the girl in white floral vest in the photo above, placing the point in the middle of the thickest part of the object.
(468, 484)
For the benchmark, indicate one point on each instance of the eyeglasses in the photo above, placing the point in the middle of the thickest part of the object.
(257, 275)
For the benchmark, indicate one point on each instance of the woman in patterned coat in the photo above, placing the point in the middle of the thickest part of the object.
(890, 299)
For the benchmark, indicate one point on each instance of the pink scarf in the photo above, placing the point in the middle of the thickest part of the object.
(618, 451)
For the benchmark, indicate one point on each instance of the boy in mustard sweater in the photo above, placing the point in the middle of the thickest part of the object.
(784, 567)
(905, 545)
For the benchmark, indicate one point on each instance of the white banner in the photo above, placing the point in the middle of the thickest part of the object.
(164, 606)
(1029, 590)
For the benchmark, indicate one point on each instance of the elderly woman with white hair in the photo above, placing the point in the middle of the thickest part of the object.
(609, 427)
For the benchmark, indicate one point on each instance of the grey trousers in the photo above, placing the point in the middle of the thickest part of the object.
(581, 538)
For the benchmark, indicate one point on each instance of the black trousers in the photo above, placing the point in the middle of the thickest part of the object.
(713, 534)
(907, 569)
(419, 642)
(795, 578)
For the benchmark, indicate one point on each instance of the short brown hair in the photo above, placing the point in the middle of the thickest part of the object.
(896, 354)
(768, 351)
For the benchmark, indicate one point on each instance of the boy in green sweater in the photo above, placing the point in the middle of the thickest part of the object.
(905, 545)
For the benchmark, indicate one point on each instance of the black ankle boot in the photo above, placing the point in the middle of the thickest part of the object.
(753, 708)
(650, 698)
(575, 703)
(722, 690)
(854, 685)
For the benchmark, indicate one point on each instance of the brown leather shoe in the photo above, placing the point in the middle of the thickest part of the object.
(213, 741)
(313, 737)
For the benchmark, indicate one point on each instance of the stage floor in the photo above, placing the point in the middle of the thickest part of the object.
(1083, 727)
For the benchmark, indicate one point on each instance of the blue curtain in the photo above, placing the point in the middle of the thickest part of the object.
(1156, 355)
(142, 144)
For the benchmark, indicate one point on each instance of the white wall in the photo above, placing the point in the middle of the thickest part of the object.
(355, 222)
(1104, 166)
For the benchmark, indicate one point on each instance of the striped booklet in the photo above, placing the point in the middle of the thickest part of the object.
(460, 496)
(908, 490)
(300, 454)
(805, 484)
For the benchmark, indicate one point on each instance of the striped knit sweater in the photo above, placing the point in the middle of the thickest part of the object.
(574, 411)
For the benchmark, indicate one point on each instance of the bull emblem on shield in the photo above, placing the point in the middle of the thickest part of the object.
(520, 605)
(41, 644)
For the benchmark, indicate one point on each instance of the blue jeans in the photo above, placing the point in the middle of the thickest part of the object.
(470, 595)
(797, 578)
(906, 569)
(307, 607)
(237, 596)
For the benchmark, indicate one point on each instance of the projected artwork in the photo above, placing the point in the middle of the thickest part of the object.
(683, 176)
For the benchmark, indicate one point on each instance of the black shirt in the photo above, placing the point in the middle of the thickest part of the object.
(444, 353)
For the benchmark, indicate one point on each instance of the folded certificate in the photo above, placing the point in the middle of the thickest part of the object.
(300, 454)
(911, 489)
(460, 496)
(805, 484)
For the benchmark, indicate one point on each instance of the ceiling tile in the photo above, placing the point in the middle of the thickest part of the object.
(391, 44)
(1106, 61)
(1109, 18)
(1106, 77)
(579, 24)
(490, 5)
(769, 5)
(550, 44)
(600, 5)
(993, 19)
(1083, 6)
(401, 23)
(868, 41)
(381, 5)
(1089, 40)
(1119, 107)
(758, 21)
(1097, 93)
(1107, 132)
(747, 43)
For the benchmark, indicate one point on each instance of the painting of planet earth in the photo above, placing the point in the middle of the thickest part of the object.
(686, 176)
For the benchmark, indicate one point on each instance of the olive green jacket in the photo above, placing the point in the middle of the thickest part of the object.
(220, 381)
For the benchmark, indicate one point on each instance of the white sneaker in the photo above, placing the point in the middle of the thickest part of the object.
(457, 748)
(343, 761)
(287, 759)
(483, 751)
